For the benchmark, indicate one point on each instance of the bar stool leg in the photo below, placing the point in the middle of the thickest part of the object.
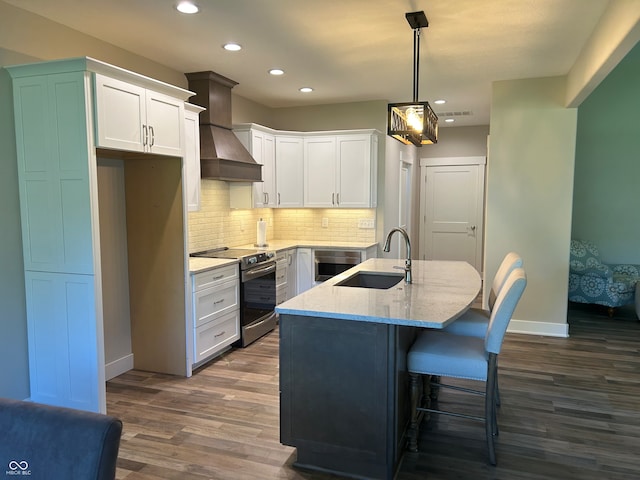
(415, 392)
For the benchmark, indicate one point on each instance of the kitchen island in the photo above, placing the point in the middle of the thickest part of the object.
(344, 400)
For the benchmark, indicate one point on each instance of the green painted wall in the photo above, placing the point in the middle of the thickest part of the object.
(606, 195)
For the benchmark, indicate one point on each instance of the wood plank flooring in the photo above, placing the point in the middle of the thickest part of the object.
(570, 410)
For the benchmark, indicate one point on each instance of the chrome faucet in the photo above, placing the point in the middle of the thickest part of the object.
(407, 262)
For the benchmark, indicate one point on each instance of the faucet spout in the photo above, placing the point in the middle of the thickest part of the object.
(407, 262)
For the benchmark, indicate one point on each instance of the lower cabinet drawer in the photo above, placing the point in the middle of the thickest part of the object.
(211, 303)
(212, 337)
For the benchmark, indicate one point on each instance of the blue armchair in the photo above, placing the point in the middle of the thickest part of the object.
(591, 281)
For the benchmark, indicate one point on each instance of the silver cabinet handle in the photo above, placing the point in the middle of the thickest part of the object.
(338, 198)
(333, 199)
(265, 198)
(144, 135)
(278, 198)
(217, 302)
(219, 334)
(153, 137)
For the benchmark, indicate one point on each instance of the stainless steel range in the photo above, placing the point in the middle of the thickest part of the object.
(257, 289)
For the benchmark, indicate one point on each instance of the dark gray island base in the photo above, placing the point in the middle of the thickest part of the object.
(344, 400)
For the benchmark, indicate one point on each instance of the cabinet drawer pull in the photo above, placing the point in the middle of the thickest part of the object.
(219, 334)
(144, 135)
(153, 137)
(218, 301)
(218, 277)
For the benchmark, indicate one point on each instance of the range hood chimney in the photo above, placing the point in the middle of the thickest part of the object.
(222, 156)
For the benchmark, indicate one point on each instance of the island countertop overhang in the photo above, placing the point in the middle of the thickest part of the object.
(441, 291)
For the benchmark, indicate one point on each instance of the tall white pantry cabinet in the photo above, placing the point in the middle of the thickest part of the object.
(60, 135)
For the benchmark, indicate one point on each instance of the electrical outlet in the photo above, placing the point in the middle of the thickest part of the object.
(367, 223)
(325, 222)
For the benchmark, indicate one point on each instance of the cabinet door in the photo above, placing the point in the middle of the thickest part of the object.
(292, 288)
(304, 270)
(53, 173)
(354, 171)
(263, 150)
(164, 123)
(192, 160)
(289, 171)
(66, 356)
(320, 172)
(269, 170)
(120, 115)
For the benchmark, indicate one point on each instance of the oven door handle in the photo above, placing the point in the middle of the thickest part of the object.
(258, 272)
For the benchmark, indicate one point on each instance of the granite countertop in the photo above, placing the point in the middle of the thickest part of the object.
(200, 264)
(277, 245)
(441, 291)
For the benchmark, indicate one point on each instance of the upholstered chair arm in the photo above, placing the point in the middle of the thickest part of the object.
(596, 270)
(630, 269)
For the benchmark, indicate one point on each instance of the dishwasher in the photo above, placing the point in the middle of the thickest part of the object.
(329, 263)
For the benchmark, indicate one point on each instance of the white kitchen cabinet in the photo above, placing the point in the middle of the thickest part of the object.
(289, 171)
(357, 167)
(137, 119)
(282, 277)
(320, 172)
(340, 171)
(261, 144)
(309, 169)
(55, 111)
(292, 272)
(216, 311)
(192, 156)
(304, 269)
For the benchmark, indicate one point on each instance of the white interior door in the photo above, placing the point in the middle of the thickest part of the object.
(452, 209)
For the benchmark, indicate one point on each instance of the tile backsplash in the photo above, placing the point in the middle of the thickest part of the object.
(217, 225)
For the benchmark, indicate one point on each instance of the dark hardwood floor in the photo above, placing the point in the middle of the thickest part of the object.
(570, 410)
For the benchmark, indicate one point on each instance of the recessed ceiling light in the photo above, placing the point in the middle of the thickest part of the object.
(450, 120)
(440, 102)
(187, 7)
(306, 89)
(232, 47)
(276, 71)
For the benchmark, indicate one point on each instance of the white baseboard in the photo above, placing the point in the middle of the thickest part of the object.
(539, 328)
(118, 367)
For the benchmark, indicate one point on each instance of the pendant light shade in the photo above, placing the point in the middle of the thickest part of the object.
(413, 122)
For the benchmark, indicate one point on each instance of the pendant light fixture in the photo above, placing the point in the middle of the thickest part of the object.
(413, 122)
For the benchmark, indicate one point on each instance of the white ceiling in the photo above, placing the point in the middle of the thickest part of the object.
(347, 50)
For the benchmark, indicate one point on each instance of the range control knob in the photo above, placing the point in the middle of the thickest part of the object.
(252, 260)
(270, 254)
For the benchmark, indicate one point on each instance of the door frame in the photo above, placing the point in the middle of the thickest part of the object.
(455, 161)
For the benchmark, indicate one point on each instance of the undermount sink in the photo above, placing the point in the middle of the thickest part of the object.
(371, 280)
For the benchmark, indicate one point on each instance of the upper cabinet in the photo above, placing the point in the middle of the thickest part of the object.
(137, 119)
(192, 155)
(289, 171)
(357, 168)
(340, 171)
(333, 169)
(320, 159)
(260, 142)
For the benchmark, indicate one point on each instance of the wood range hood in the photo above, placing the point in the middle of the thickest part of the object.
(222, 156)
